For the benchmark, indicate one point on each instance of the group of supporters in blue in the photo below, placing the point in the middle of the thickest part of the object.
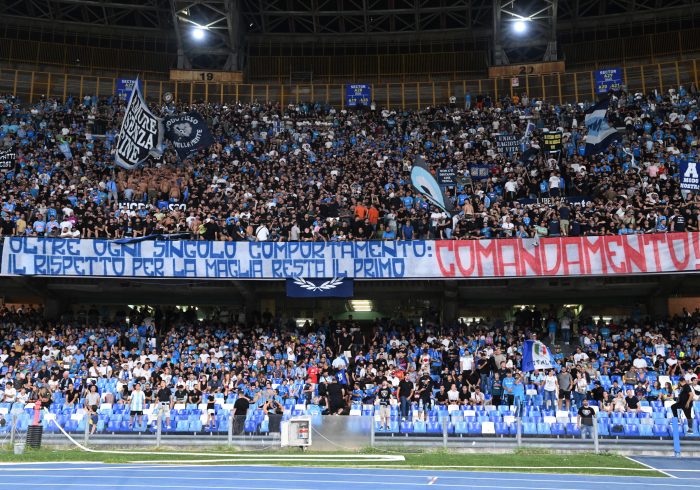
(192, 371)
(312, 172)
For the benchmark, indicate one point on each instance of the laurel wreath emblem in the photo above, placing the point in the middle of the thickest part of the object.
(324, 286)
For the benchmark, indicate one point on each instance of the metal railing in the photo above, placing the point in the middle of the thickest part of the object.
(568, 87)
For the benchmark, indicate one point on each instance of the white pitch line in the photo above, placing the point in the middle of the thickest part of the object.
(649, 466)
(126, 485)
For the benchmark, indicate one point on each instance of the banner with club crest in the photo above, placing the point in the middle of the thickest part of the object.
(188, 133)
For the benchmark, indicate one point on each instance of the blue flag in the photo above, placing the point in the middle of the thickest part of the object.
(425, 183)
(600, 134)
(337, 287)
(536, 355)
(65, 149)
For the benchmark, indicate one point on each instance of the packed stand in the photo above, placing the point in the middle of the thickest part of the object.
(197, 374)
(312, 172)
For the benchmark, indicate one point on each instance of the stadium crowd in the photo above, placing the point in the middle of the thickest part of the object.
(312, 172)
(133, 360)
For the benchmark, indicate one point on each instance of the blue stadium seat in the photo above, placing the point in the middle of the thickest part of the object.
(544, 428)
(573, 429)
(474, 428)
(502, 429)
(558, 429)
(461, 428)
(632, 430)
(530, 428)
(646, 431)
(406, 427)
(434, 428)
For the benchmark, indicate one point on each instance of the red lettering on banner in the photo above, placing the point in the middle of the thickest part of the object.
(635, 256)
(502, 261)
(611, 254)
(695, 238)
(580, 262)
(677, 264)
(484, 253)
(655, 240)
(529, 260)
(546, 247)
(458, 258)
(570, 256)
(593, 246)
(439, 245)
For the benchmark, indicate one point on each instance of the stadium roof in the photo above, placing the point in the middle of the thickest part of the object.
(334, 18)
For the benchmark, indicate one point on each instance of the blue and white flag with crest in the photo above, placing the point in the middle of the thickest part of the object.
(600, 134)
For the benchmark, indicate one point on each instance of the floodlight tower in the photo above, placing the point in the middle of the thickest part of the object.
(526, 29)
(209, 34)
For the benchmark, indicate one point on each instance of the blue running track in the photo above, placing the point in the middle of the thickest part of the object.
(49, 476)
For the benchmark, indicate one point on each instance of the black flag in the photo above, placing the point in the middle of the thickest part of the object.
(8, 158)
(140, 133)
(188, 133)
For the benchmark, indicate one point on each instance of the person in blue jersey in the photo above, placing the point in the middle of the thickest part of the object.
(137, 404)
(509, 388)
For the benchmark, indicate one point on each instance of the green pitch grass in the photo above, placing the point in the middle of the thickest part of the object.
(524, 461)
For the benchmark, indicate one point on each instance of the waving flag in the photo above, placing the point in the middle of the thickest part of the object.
(600, 134)
(425, 183)
(140, 134)
(188, 133)
(536, 355)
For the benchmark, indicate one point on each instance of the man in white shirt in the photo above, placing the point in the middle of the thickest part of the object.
(262, 233)
(466, 361)
(550, 390)
(554, 184)
(10, 393)
(580, 356)
(639, 362)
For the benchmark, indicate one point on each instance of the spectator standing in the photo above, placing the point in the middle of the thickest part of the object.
(165, 402)
(585, 419)
(383, 400)
(684, 403)
(550, 390)
(137, 402)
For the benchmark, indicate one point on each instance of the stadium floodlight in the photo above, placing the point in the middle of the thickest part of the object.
(520, 26)
(198, 33)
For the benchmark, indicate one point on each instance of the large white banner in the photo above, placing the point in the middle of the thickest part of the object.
(443, 259)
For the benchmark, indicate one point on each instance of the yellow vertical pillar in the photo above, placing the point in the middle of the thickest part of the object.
(31, 89)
